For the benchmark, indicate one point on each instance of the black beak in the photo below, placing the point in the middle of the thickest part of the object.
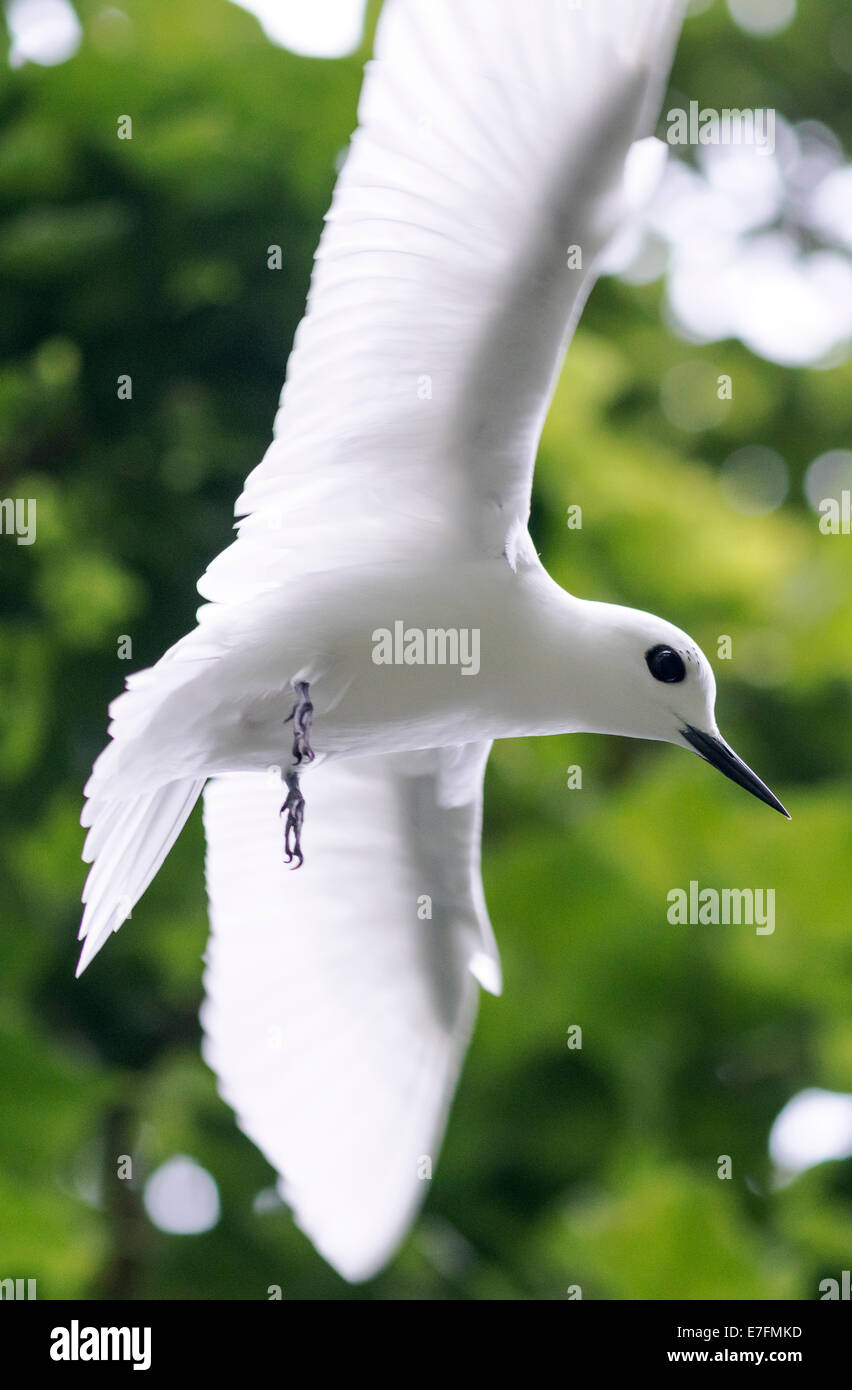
(716, 752)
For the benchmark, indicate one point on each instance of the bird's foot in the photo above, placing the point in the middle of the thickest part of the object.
(295, 808)
(302, 715)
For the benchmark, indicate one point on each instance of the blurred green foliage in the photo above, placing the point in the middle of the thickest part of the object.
(594, 1167)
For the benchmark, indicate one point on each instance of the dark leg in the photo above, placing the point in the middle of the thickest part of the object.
(302, 715)
(295, 808)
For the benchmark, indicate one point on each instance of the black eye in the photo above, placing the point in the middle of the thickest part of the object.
(665, 665)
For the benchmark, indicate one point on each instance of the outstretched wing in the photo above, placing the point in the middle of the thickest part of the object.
(492, 138)
(340, 998)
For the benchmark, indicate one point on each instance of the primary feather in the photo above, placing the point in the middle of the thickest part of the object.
(340, 999)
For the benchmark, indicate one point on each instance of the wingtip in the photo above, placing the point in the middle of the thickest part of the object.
(91, 945)
(486, 970)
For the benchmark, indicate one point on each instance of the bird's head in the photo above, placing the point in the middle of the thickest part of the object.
(658, 684)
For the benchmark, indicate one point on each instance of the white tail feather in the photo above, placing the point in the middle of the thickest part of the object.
(128, 842)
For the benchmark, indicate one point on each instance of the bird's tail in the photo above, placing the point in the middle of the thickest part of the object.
(126, 844)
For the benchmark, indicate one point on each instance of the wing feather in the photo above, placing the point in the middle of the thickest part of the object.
(339, 1005)
(493, 135)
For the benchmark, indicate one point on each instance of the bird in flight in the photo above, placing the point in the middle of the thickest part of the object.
(383, 616)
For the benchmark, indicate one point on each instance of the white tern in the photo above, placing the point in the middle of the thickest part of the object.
(382, 615)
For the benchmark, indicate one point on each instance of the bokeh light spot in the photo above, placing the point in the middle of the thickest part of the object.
(755, 480)
(814, 1127)
(182, 1198)
(828, 476)
(321, 29)
(763, 17)
(46, 32)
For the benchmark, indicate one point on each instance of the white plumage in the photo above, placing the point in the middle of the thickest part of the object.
(338, 1010)
(493, 137)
